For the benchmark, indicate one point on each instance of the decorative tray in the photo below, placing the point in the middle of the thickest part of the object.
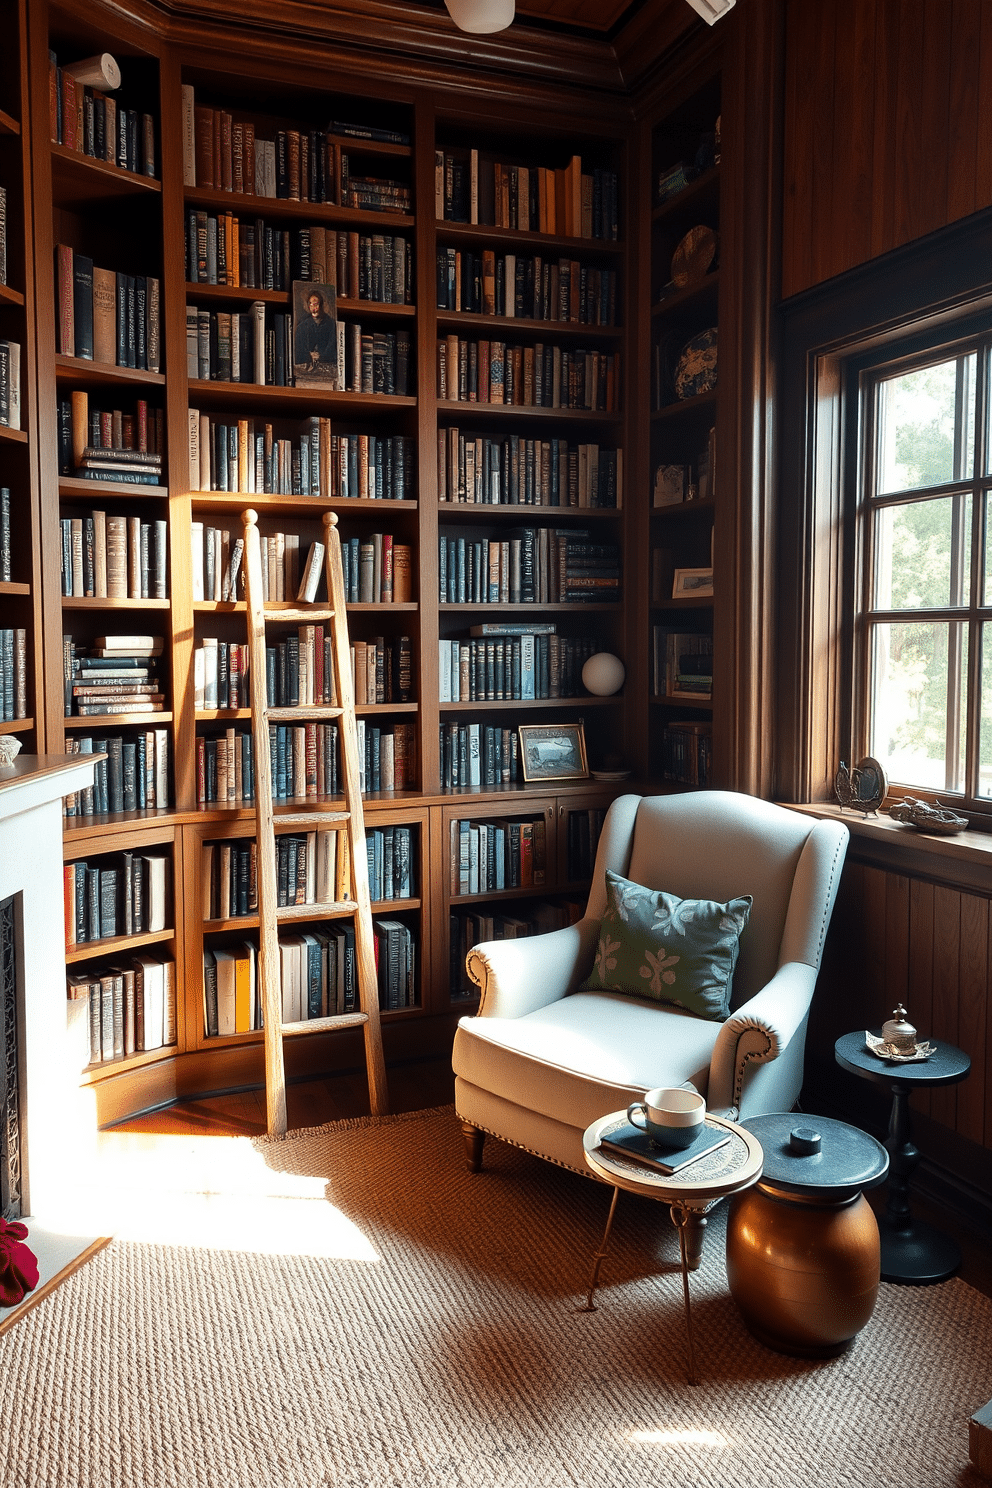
(878, 1046)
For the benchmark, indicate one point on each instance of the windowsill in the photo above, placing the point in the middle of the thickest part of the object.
(964, 860)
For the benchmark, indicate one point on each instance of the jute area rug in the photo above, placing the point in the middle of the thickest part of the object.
(450, 1352)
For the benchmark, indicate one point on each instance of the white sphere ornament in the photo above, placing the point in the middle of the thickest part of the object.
(603, 674)
(481, 17)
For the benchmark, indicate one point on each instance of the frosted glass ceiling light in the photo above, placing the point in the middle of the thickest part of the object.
(481, 16)
(710, 10)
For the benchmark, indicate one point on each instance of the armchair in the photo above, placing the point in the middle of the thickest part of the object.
(542, 1060)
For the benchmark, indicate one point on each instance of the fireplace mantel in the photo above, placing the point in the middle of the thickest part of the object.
(31, 791)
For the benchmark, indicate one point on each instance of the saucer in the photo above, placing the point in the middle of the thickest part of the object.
(610, 774)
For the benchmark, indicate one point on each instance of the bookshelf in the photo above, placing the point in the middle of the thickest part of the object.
(684, 490)
(374, 455)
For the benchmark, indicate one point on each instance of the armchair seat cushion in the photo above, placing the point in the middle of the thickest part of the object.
(583, 1056)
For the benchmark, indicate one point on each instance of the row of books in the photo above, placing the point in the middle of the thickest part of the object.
(10, 384)
(109, 556)
(251, 456)
(478, 754)
(472, 186)
(525, 287)
(220, 675)
(126, 894)
(6, 551)
(307, 872)
(133, 777)
(377, 569)
(374, 361)
(88, 119)
(222, 153)
(519, 667)
(535, 376)
(514, 471)
(305, 762)
(317, 976)
(582, 834)
(468, 928)
(687, 753)
(114, 674)
(104, 316)
(255, 345)
(13, 674)
(382, 670)
(249, 253)
(299, 670)
(109, 444)
(131, 1007)
(3, 235)
(681, 664)
(530, 565)
(489, 856)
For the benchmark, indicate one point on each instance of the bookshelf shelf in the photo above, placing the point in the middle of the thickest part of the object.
(221, 715)
(94, 1073)
(14, 436)
(16, 725)
(489, 512)
(292, 400)
(88, 602)
(101, 722)
(527, 412)
(510, 327)
(685, 510)
(70, 487)
(115, 945)
(10, 296)
(359, 145)
(515, 238)
(8, 124)
(78, 180)
(303, 506)
(521, 705)
(102, 374)
(704, 404)
(701, 193)
(516, 609)
(683, 702)
(690, 299)
(704, 602)
(279, 208)
(8, 586)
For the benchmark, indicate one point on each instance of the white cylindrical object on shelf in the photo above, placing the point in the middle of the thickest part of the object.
(603, 674)
(99, 72)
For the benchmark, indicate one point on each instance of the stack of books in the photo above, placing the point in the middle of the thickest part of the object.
(117, 674)
(110, 445)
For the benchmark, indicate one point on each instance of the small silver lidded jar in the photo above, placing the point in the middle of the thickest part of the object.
(898, 1033)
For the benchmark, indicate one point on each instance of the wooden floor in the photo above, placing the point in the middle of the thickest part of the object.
(415, 1086)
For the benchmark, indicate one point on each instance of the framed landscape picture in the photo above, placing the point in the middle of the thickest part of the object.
(553, 751)
(692, 583)
(315, 335)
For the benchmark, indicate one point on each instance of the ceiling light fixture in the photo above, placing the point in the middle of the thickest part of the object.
(482, 16)
(710, 10)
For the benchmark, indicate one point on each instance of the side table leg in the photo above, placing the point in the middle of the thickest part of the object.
(600, 1256)
(681, 1220)
(913, 1252)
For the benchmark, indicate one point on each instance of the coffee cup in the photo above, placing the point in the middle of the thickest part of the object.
(670, 1117)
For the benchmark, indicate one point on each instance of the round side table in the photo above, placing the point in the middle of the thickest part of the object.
(913, 1252)
(688, 1193)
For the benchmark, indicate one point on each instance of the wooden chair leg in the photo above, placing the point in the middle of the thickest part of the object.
(474, 1139)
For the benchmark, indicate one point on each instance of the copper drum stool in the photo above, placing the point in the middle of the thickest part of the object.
(803, 1254)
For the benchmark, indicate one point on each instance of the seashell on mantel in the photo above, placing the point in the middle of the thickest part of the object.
(10, 748)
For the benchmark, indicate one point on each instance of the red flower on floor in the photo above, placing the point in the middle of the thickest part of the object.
(18, 1264)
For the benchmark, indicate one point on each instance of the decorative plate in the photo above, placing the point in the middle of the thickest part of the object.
(696, 369)
(878, 1046)
(610, 774)
(694, 256)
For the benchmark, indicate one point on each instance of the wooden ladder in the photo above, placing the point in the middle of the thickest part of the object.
(350, 822)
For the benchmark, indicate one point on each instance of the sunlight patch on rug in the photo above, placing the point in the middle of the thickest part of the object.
(687, 1438)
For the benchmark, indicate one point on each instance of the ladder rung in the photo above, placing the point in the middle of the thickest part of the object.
(298, 617)
(302, 715)
(311, 911)
(316, 1025)
(311, 818)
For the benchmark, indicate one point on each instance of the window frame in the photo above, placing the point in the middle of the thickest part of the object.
(973, 614)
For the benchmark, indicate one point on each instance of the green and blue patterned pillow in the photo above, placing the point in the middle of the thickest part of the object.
(679, 951)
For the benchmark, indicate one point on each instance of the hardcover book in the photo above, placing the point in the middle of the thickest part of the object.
(628, 1141)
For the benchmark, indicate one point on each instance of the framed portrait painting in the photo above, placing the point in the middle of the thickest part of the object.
(315, 335)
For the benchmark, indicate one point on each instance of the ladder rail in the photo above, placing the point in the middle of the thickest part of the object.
(352, 827)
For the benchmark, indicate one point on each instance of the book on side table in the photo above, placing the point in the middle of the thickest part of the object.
(630, 1141)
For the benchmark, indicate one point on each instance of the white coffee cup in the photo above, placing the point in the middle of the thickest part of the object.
(672, 1117)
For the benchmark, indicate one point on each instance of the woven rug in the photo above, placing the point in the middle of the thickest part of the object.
(447, 1351)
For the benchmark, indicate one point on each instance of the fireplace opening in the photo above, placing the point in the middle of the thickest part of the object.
(10, 1053)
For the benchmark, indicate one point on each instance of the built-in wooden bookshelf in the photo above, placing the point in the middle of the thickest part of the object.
(138, 224)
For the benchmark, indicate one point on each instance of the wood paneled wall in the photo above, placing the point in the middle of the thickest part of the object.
(895, 939)
(886, 138)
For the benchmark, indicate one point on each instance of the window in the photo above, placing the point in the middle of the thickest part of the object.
(924, 636)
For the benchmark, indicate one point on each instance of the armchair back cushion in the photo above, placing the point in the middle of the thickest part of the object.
(710, 845)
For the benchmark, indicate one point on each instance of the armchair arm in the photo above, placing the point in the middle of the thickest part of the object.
(519, 976)
(769, 1026)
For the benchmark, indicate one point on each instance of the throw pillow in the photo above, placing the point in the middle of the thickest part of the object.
(679, 951)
